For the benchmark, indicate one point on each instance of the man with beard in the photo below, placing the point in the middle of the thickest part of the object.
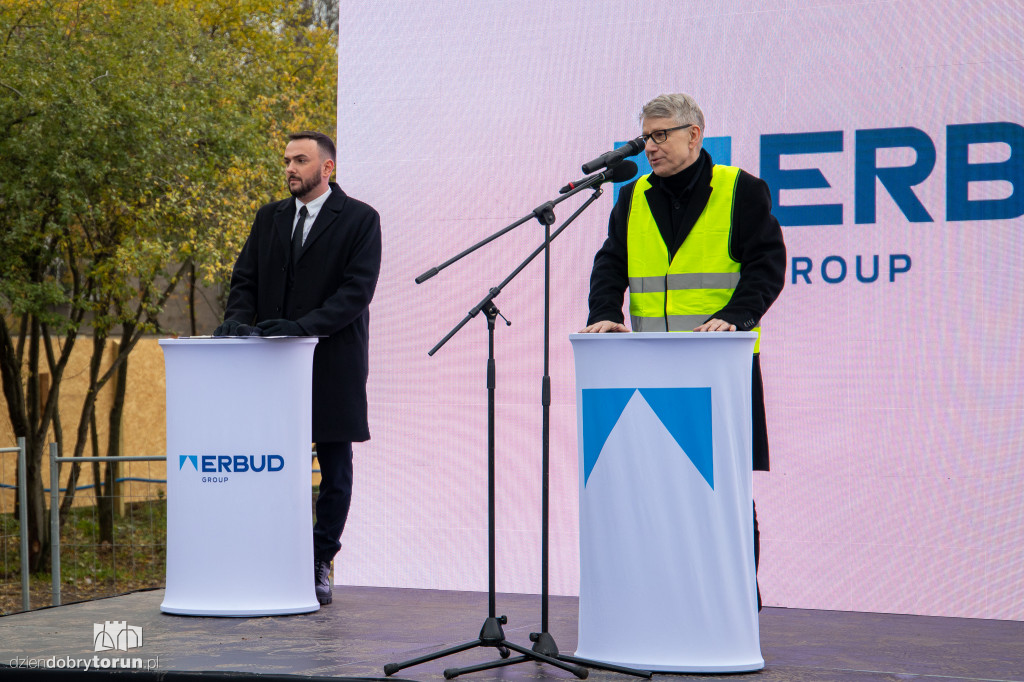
(691, 217)
(309, 268)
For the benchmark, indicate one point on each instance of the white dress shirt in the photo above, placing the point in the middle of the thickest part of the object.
(312, 209)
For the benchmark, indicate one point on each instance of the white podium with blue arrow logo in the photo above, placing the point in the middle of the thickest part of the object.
(239, 514)
(666, 503)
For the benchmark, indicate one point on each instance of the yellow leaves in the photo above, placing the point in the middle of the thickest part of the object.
(173, 162)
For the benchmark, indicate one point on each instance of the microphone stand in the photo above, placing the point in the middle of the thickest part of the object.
(544, 643)
(492, 634)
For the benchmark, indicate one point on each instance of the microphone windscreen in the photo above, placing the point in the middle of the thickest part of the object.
(623, 172)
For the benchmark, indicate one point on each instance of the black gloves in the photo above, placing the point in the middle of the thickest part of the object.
(236, 328)
(227, 328)
(281, 328)
(264, 328)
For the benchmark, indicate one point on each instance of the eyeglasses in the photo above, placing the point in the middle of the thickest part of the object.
(659, 136)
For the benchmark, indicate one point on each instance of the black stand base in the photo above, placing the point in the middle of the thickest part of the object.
(491, 634)
(544, 643)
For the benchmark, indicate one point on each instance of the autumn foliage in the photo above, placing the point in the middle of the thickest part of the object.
(137, 140)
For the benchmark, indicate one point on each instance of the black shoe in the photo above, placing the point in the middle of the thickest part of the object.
(322, 581)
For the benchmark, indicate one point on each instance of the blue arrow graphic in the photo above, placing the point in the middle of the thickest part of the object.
(685, 413)
(602, 408)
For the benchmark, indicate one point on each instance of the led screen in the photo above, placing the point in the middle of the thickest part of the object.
(891, 136)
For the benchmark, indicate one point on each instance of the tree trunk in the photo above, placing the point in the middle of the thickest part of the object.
(38, 525)
(31, 412)
(109, 511)
(104, 506)
(84, 423)
(38, 521)
(192, 299)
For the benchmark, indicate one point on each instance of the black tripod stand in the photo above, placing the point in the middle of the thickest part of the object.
(544, 643)
(491, 634)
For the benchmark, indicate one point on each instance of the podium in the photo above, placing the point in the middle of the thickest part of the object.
(667, 577)
(239, 511)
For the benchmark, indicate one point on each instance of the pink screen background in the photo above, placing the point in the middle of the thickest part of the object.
(895, 409)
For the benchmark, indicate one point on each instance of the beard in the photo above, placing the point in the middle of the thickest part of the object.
(305, 187)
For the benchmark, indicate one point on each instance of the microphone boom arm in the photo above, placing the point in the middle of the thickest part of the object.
(545, 208)
(494, 291)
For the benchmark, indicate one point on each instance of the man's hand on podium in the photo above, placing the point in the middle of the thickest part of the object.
(281, 328)
(604, 326)
(227, 328)
(716, 325)
(235, 328)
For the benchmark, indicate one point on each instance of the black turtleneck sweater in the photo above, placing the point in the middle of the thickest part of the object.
(678, 189)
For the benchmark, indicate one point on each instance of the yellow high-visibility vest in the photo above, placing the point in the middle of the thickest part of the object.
(701, 277)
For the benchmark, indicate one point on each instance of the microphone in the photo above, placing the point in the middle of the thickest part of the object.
(631, 148)
(619, 173)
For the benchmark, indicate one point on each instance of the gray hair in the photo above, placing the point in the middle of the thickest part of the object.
(680, 107)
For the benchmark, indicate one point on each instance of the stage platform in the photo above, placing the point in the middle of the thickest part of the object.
(365, 628)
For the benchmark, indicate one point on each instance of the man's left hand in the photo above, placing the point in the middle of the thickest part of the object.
(281, 328)
(227, 328)
(716, 325)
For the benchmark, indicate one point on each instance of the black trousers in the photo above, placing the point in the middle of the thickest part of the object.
(757, 556)
(333, 501)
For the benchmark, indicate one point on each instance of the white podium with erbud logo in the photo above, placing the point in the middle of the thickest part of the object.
(665, 508)
(239, 515)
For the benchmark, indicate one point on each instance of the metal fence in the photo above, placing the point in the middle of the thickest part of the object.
(55, 507)
(22, 520)
(86, 507)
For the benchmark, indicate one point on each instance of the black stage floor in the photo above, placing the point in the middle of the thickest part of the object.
(365, 628)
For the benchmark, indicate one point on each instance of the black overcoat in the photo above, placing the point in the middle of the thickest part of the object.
(328, 292)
